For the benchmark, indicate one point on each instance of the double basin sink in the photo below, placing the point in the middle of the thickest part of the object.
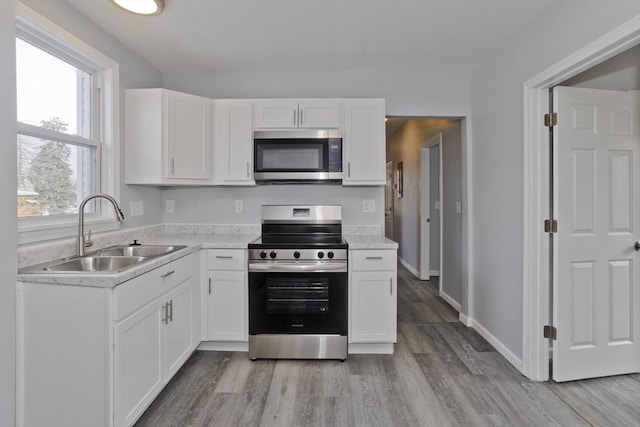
(113, 259)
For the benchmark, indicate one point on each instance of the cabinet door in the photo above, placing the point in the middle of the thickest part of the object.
(373, 307)
(227, 306)
(178, 328)
(188, 136)
(138, 366)
(280, 114)
(320, 114)
(233, 143)
(364, 142)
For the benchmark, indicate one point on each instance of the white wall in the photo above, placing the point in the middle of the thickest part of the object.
(622, 72)
(405, 146)
(8, 209)
(497, 157)
(406, 94)
(215, 205)
(134, 73)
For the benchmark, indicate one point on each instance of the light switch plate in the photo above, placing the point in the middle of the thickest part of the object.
(137, 208)
(239, 206)
(169, 206)
(368, 206)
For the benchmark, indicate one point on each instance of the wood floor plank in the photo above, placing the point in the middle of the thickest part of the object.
(441, 374)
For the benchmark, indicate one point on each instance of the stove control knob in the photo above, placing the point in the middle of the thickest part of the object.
(272, 254)
(320, 254)
(263, 254)
(296, 254)
(330, 254)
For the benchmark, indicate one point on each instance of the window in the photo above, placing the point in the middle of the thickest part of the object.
(67, 127)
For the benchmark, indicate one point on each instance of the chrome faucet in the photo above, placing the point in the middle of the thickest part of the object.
(81, 243)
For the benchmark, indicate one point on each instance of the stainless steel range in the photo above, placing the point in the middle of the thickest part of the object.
(298, 284)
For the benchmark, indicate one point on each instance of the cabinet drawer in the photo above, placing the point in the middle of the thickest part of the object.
(137, 292)
(370, 260)
(226, 259)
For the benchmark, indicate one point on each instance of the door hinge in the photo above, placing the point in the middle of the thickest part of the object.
(550, 226)
(550, 332)
(550, 119)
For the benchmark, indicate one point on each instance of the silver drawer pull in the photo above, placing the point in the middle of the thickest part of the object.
(374, 257)
(224, 257)
(167, 274)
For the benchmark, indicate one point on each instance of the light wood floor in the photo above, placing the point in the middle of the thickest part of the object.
(441, 374)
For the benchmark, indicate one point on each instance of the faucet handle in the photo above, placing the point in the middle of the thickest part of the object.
(87, 241)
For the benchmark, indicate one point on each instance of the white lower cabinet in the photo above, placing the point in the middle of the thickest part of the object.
(373, 297)
(92, 356)
(151, 345)
(227, 317)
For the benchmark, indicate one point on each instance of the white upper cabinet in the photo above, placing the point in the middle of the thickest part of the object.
(364, 142)
(167, 138)
(292, 113)
(233, 142)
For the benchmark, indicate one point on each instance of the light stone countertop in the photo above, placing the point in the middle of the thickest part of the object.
(194, 243)
(370, 242)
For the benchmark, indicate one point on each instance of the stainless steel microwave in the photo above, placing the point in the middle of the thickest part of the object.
(297, 156)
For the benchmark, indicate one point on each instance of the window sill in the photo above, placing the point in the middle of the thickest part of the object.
(41, 233)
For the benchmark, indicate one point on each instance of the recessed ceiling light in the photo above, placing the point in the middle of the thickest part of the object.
(141, 7)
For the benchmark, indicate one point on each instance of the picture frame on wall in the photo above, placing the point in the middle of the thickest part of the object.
(399, 180)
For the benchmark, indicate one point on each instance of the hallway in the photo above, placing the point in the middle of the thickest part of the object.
(441, 374)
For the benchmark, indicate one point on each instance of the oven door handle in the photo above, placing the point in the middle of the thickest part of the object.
(282, 267)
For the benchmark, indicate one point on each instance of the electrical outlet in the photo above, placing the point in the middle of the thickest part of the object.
(168, 205)
(239, 206)
(137, 208)
(368, 206)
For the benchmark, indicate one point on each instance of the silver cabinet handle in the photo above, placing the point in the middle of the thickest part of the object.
(391, 286)
(373, 257)
(301, 111)
(165, 318)
(294, 117)
(170, 317)
(209, 285)
(349, 169)
(173, 165)
(637, 246)
(224, 257)
(167, 274)
(248, 166)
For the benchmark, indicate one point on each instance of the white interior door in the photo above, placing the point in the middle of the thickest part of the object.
(388, 202)
(425, 215)
(596, 279)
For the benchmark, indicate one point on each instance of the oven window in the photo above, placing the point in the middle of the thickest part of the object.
(290, 156)
(291, 295)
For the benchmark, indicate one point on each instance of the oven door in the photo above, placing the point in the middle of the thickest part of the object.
(307, 303)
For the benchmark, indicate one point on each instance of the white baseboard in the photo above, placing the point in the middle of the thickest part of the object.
(223, 346)
(382, 348)
(502, 349)
(453, 303)
(408, 267)
(434, 273)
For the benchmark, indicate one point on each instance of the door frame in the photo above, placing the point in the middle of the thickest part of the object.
(389, 165)
(536, 248)
(425, 207)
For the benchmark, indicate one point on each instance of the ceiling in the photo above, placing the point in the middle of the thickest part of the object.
(194, 36)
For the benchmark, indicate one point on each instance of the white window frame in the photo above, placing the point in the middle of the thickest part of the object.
(49, 37)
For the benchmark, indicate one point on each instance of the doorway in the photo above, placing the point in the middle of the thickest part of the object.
(388, 202)
(538, 254)
(430, 202)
